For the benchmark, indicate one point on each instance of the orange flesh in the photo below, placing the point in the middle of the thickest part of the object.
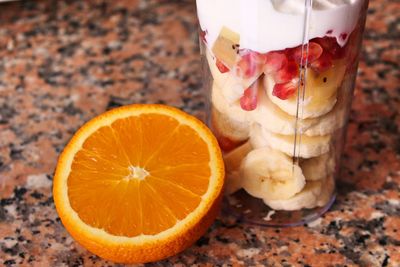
(106, 194)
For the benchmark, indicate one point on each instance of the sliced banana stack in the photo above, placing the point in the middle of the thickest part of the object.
(320, 93)
(232, 87)
(233, 160)
(229, 120)
(269, 174)
(310, 146)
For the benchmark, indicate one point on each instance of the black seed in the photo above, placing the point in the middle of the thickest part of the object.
(325, 79)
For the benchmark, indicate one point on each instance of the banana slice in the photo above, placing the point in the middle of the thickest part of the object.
(233, 160)
(310, 146)
(328, 188)
(316, 168)
(232, 87)
(314, 194)
(257, 139)
(271, 117)
(331, 121)
(305, 199)
(320, 94)
(319, 167)
(230, 120)
(269, 174)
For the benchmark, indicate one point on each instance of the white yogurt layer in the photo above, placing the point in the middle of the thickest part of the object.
(267, 25)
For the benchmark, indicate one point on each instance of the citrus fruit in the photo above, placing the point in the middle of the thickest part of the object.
(139, 183)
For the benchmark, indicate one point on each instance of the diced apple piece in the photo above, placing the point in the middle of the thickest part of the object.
(225, 47)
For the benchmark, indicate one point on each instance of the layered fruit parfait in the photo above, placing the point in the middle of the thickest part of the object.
(282, 79)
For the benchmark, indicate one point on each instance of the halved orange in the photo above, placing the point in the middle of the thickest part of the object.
(139, 183)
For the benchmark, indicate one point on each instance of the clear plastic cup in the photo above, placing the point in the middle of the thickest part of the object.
(280, 76)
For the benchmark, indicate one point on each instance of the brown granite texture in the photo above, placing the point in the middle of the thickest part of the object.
(63, 62)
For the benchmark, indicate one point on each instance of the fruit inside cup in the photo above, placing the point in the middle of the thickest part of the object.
(318, 56)
(287, 93)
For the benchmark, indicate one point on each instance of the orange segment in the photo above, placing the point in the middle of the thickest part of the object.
(139, 183)
(192, 177)
(177, 199)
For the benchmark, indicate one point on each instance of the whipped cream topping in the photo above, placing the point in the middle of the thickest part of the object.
(267, 25)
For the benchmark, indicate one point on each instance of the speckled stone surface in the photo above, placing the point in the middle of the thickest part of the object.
(61, 63)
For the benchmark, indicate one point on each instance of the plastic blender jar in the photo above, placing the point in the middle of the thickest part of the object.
(280, 75)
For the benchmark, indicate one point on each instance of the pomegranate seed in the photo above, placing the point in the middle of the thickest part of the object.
(250, 63)
(314, 52)
(284, 90)
(254, 56)
(221, 66)
(245, 67)
(287, 73)
(330, 45)
(275, 61)
(323, 63)
(327, 43)
(343, 36)
(248, 101)
(203, 35)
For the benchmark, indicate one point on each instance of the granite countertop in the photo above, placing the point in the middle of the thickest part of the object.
(61, 63)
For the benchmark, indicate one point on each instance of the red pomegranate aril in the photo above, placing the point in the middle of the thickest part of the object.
(221, 66)
(284, 90)
(314, 52)
(250, 63)
(253, 56)
(323, 63)
(287, 73)
(329, 44)
(343, 36)
(248, 101)
(248, 66)
(245, 68)
(275, 61)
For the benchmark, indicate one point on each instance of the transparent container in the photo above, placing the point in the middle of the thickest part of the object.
(280, 76)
